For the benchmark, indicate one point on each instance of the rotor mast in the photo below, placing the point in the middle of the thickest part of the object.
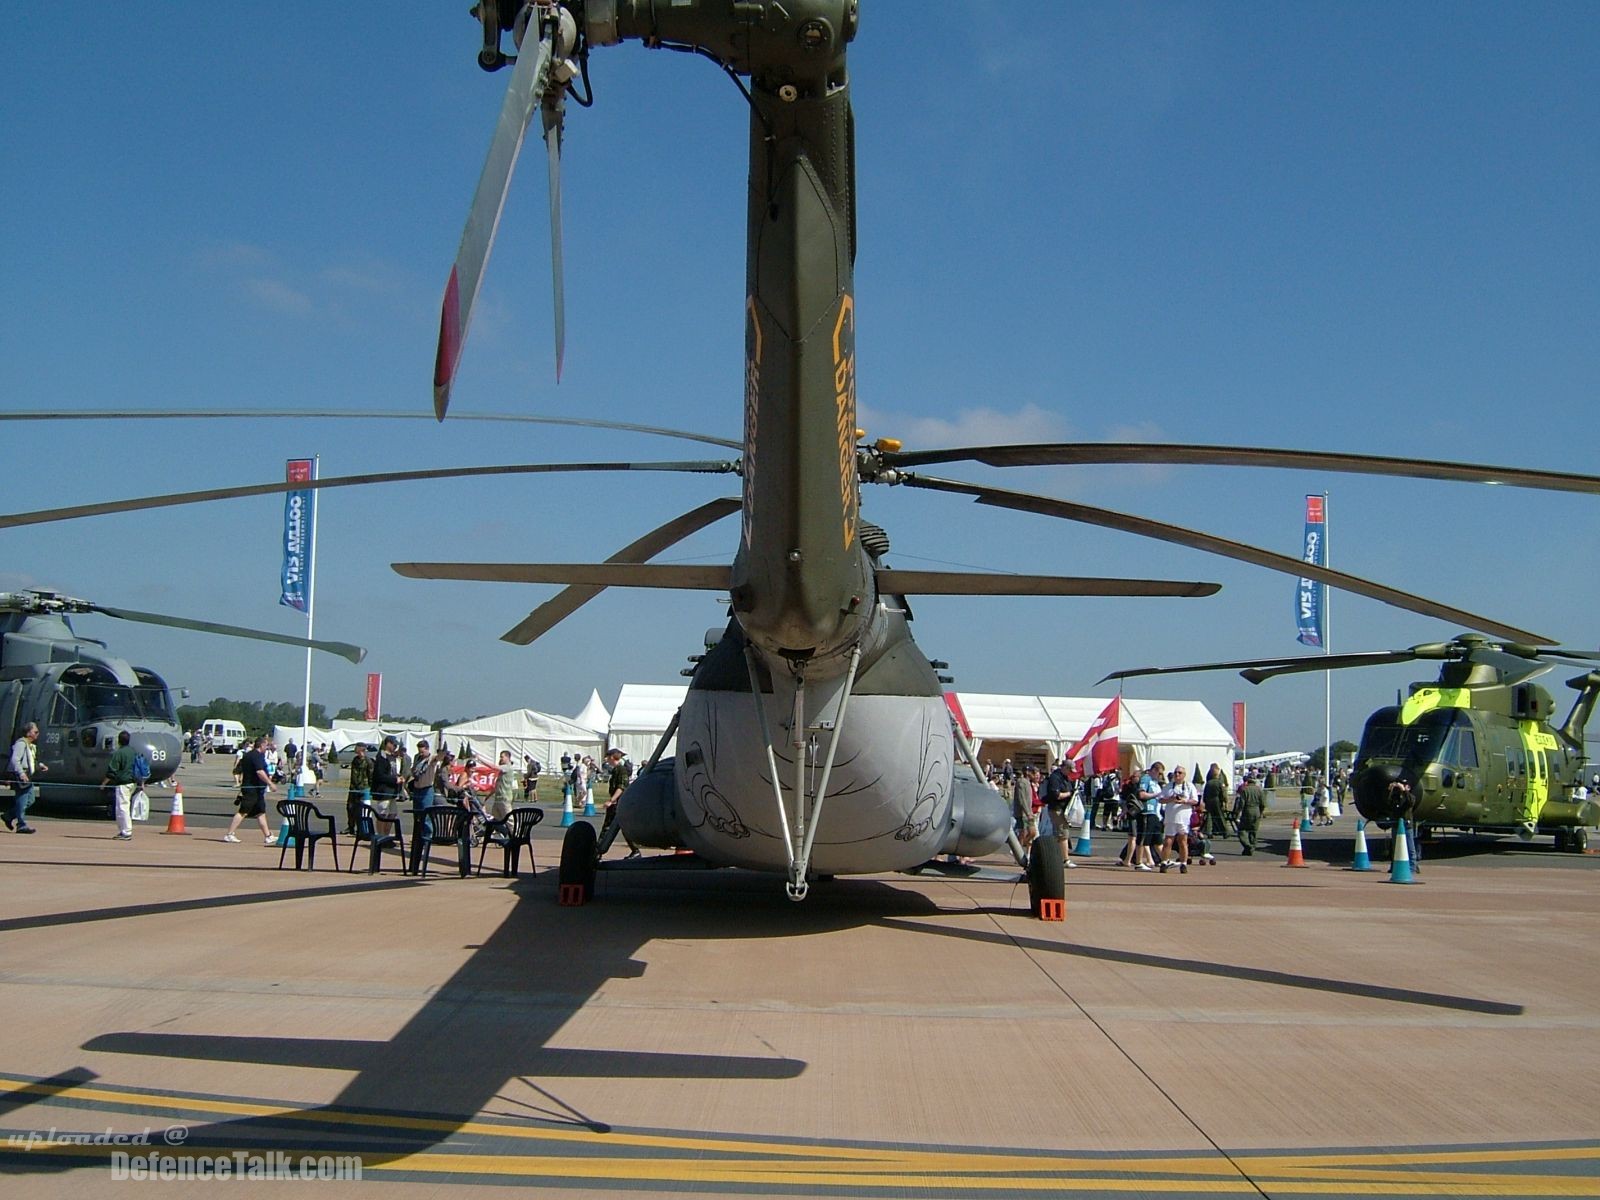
(802, 585)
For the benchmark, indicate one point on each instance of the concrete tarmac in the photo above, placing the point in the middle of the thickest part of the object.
(1245, 1029)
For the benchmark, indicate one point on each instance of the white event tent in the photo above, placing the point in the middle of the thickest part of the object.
(523, 732)
(347, 733)
(595, 715)
(1029, 728)
(1022, 728)
(642, 715)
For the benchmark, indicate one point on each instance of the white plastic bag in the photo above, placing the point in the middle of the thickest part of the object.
(1075, 812)
(139, 807)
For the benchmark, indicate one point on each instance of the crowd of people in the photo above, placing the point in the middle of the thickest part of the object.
(1169, 820)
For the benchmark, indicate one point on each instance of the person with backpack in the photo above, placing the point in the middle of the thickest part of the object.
(1058, 792)
(119, 777)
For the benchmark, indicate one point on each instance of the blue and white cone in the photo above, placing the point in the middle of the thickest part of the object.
(1082, 846)
(1400, 868)
(1363, 860)
(1305, 820)
(566, 807)
(588, 802)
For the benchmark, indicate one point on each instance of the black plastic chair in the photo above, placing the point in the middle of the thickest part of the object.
(441, 825)
(366, 829)
(298, 816)
(512, 832)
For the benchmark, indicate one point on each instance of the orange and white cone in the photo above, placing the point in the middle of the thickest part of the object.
(175, 821)
(1297, 856)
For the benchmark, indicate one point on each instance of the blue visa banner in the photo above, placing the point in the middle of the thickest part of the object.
(298, 506)
(1311, 595)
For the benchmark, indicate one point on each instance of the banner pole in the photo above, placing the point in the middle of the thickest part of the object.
(1327, 649)
(311, 616)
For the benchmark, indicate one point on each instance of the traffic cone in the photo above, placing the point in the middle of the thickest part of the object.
(175, 821)
(1297, 856)
(1363, 861)
(1400, 867)
(566, 807)
(1305, 819)
(588, 802)
(1082, 846)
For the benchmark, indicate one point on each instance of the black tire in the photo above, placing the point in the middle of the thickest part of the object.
(1047, 873)
(1578, 841)
(580, 858)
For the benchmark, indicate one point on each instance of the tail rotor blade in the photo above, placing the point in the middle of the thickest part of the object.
(529, 81)
(343, 649)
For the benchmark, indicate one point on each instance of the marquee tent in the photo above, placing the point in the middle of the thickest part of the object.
(347, 733)
(1025, 729)
(642, 715)
(594, 715)
(284, 734)
(523, 732)
(1168, 731)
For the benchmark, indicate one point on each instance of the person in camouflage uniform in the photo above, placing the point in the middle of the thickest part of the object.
(360, 787)
(1250, 803)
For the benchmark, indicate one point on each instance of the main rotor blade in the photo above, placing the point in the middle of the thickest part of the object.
(1513, 669)
(343, 649)
(552, 116)
(603, 575)
(1196, 540)
(1309, 662)
(566, 602)
(348, 414)
(1082, 454)
(74, 512)
(967, 583)
(529, 80)
(928, 583)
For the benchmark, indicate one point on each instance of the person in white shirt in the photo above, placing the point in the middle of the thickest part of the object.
(1179, 800)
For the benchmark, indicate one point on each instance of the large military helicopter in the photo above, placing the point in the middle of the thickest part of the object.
(1475, 749)
(82, 696)
(815, 739)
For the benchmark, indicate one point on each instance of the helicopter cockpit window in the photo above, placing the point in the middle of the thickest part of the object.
(1460, 750)
(153, 698)
(98, 695)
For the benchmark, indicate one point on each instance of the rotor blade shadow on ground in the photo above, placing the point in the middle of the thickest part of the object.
(1134, 958)
(126, 911)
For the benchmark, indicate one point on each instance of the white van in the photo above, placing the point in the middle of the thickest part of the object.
(224, 736)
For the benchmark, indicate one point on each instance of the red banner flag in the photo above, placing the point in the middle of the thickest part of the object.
(374, 694)
(1098, 748)
(1238, 725)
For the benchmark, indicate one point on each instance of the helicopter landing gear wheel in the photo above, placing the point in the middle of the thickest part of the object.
(1578, 840)
(1047, 875)
(580, 859)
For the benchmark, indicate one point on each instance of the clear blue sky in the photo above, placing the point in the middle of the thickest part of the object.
(1359, 227)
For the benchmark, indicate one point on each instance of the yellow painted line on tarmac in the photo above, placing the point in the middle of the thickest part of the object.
(796, 1164)
(696, 1171)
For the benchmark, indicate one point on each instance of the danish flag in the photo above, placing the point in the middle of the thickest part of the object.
(1097, 749)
